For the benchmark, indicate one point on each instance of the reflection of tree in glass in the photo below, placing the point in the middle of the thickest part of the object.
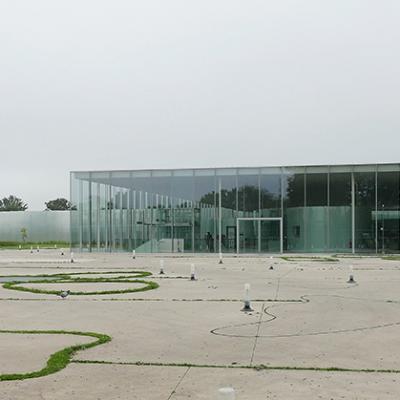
(248, 198)
(365, 189)
(295, 190)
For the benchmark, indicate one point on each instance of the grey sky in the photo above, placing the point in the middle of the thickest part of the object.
(154, 84)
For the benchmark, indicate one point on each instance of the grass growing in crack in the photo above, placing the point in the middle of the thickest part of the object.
(72, 278)
(138, 299)
(259, 367)
(61, 358)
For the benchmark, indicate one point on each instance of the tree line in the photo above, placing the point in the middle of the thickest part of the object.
(14, 203)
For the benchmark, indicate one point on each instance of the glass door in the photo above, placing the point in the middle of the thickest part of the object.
(259, 235)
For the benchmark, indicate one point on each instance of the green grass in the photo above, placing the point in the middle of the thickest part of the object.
(61, 358)
(349, 255)
(69, 278)
(391, 258)
(27, 245)
(310, 258)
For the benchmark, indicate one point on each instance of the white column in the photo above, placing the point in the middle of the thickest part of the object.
(219, 218)
(353, 214)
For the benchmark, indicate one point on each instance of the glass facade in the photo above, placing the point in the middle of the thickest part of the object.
(339, 208)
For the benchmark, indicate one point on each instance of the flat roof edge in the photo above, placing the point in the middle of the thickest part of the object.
(237, 167)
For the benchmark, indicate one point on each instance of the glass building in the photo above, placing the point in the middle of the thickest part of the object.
(338, 208)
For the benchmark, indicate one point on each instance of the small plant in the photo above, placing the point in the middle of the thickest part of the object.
(24, 234)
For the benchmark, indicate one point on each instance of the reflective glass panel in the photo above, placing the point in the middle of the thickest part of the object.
(339, 235)
(365, 228)
(388, 212)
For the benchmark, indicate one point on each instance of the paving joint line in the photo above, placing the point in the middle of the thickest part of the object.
(257, 334)
(178, 384)
(279, 281)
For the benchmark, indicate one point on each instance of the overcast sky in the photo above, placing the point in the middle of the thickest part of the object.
(155, 84)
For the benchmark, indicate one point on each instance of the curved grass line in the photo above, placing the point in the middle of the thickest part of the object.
(149, 285)
(61, 358)
(137, 274)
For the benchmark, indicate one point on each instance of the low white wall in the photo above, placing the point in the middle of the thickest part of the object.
(41, 226)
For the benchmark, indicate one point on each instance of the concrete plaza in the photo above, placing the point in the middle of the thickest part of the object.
(186, 339)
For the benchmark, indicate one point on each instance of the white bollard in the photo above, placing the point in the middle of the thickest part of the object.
(247, 306)
(351, 277)
(161, 267)
(226, 393)
(55, 246)
(133, 254)
(31, 249)
(220, 258)
(37, 249)
(72, 257)
(192, 272)
(271, 266)
(20, 247)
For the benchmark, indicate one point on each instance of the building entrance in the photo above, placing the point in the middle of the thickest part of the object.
(259, 235)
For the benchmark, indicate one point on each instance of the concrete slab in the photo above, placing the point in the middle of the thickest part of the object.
(104, 382)
(319, 321)
(21, 353)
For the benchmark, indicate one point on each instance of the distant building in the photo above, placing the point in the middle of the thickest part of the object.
(338, 208)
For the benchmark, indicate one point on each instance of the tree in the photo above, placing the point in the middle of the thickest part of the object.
(12, 203)
(59, 204)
